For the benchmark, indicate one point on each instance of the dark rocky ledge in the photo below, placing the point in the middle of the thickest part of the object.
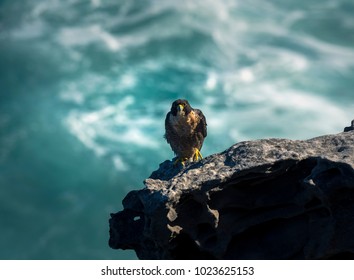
(264, 199)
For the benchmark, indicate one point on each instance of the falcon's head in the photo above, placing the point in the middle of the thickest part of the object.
(180, 107)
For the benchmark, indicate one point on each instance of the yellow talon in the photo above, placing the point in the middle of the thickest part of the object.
(181, 160)
(197, 155)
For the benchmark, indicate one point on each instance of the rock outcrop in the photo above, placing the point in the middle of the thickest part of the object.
(263, 199)
(349, 128)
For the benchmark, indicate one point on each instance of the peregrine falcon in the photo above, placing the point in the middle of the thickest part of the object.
(186, 129)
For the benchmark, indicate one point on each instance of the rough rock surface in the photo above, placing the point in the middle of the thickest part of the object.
(264, 199)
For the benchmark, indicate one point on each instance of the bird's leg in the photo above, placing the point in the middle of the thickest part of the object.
(197, 155)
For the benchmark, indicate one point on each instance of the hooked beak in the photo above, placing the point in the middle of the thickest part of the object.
(180, 108)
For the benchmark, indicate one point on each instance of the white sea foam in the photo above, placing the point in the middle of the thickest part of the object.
(120, 164)
(96, 3)
(127, 81)
(80, 36)
(113, 128)
(269, 110)
(84, 133)
(211, 81)
(234, 96)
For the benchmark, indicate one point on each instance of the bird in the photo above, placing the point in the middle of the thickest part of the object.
(185, 131)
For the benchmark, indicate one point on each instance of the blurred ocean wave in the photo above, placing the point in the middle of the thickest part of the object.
(86, 86)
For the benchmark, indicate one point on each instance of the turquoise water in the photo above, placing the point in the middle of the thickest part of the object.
(85, 87)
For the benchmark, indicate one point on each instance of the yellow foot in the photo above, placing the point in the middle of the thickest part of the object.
(197, 155)
(181, 160)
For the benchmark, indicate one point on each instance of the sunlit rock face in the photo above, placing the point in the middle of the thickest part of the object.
(263, 199)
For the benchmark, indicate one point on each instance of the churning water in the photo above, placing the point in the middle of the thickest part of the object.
(85, 87)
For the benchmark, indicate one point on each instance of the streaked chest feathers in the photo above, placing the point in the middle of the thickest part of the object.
(184, 125)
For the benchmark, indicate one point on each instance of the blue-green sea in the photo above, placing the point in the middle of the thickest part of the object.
(85, 87)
